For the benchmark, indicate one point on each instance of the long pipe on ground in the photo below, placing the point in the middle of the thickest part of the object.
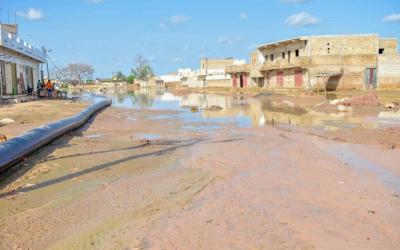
(16, 149)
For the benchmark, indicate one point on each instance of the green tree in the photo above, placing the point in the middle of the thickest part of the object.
(119, 76)
(143, 70)
(130, 79)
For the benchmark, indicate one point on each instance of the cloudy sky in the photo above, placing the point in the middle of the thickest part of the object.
(177, 33)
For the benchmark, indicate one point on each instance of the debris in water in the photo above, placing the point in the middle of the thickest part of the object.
(145, 141)
(343, 108)
(390, 106)
(214, 108)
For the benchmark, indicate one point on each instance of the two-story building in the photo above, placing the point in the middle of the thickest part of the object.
(20, 63)
(333, 62)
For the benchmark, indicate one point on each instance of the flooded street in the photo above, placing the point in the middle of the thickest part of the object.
(189, 170)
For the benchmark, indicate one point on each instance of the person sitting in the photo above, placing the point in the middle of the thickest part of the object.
(49, 87)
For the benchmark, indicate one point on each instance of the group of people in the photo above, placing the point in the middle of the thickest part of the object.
(49, 86)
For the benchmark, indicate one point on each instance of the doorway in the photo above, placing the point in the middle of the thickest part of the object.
(14, 79)
(279, 78)
(298, 78)
(234, 80)
(2, 78)
(370, 81)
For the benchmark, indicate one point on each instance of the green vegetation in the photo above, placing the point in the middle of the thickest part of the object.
(143, 70)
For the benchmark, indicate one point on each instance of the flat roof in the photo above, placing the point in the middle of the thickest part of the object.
(303, 38)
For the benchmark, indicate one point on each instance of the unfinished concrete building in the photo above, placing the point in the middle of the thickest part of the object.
(213, 72)
(331, 62)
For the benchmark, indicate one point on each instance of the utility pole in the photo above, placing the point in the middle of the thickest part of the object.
(47, 63)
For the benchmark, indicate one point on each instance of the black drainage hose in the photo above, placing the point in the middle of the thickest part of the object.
(16, 149)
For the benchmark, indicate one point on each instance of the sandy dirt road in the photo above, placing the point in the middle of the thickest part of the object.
(107, 187)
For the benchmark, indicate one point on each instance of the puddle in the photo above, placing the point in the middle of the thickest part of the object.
(143, 136)
(212, 110)
(94, 136)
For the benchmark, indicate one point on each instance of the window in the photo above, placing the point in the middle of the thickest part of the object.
(381, 50)
(288, 56)
(305, 42)
(283, 55)
(266, 57)
(272, 57)
(297, 53)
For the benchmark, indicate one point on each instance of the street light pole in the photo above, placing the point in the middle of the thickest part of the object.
(47, 63)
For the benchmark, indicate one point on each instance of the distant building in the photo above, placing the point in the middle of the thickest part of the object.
(213, 72)
(334, 62)
(20, 63)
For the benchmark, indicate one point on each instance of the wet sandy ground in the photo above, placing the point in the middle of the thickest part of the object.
(30, 115)
(106, 186)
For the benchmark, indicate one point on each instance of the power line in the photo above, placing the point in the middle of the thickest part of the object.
(55, 66)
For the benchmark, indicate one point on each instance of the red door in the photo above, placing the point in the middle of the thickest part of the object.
(234, 80)
(279, 78)
(244, 81)
(298, 78)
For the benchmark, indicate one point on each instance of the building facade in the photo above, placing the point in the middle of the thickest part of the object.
(213, 72)
(20, 63)
(331, 62)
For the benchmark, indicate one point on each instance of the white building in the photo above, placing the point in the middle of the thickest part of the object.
(20, 63)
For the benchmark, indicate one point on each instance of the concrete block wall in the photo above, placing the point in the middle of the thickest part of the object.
(389, 71)
(344, 45)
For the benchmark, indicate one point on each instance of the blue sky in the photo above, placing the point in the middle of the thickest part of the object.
(176, 33)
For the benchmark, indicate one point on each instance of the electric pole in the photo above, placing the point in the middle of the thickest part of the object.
(47, 63)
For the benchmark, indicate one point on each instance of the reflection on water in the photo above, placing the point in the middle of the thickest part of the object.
(244, 112)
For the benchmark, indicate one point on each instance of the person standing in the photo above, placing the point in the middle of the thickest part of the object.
(49, 87)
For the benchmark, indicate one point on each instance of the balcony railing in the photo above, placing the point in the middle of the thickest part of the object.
(280, 63)
(14, 43)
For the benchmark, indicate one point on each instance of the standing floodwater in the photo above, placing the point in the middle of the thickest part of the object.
(169, 169)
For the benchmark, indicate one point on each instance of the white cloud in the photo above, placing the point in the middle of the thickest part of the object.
(95, 1)
(177, 59)
(31, 14)
(71, 47)
(151, 58)
(295, 1)
(243, 16)
(163, 26)
(179, 19)
(301, 19)
(229, 40)
(392, 18)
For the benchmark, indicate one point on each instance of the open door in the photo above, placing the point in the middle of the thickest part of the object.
(14, 78)
(370, 81)
(2, 78)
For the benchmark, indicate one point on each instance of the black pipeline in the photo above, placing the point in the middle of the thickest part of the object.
(16, 149)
